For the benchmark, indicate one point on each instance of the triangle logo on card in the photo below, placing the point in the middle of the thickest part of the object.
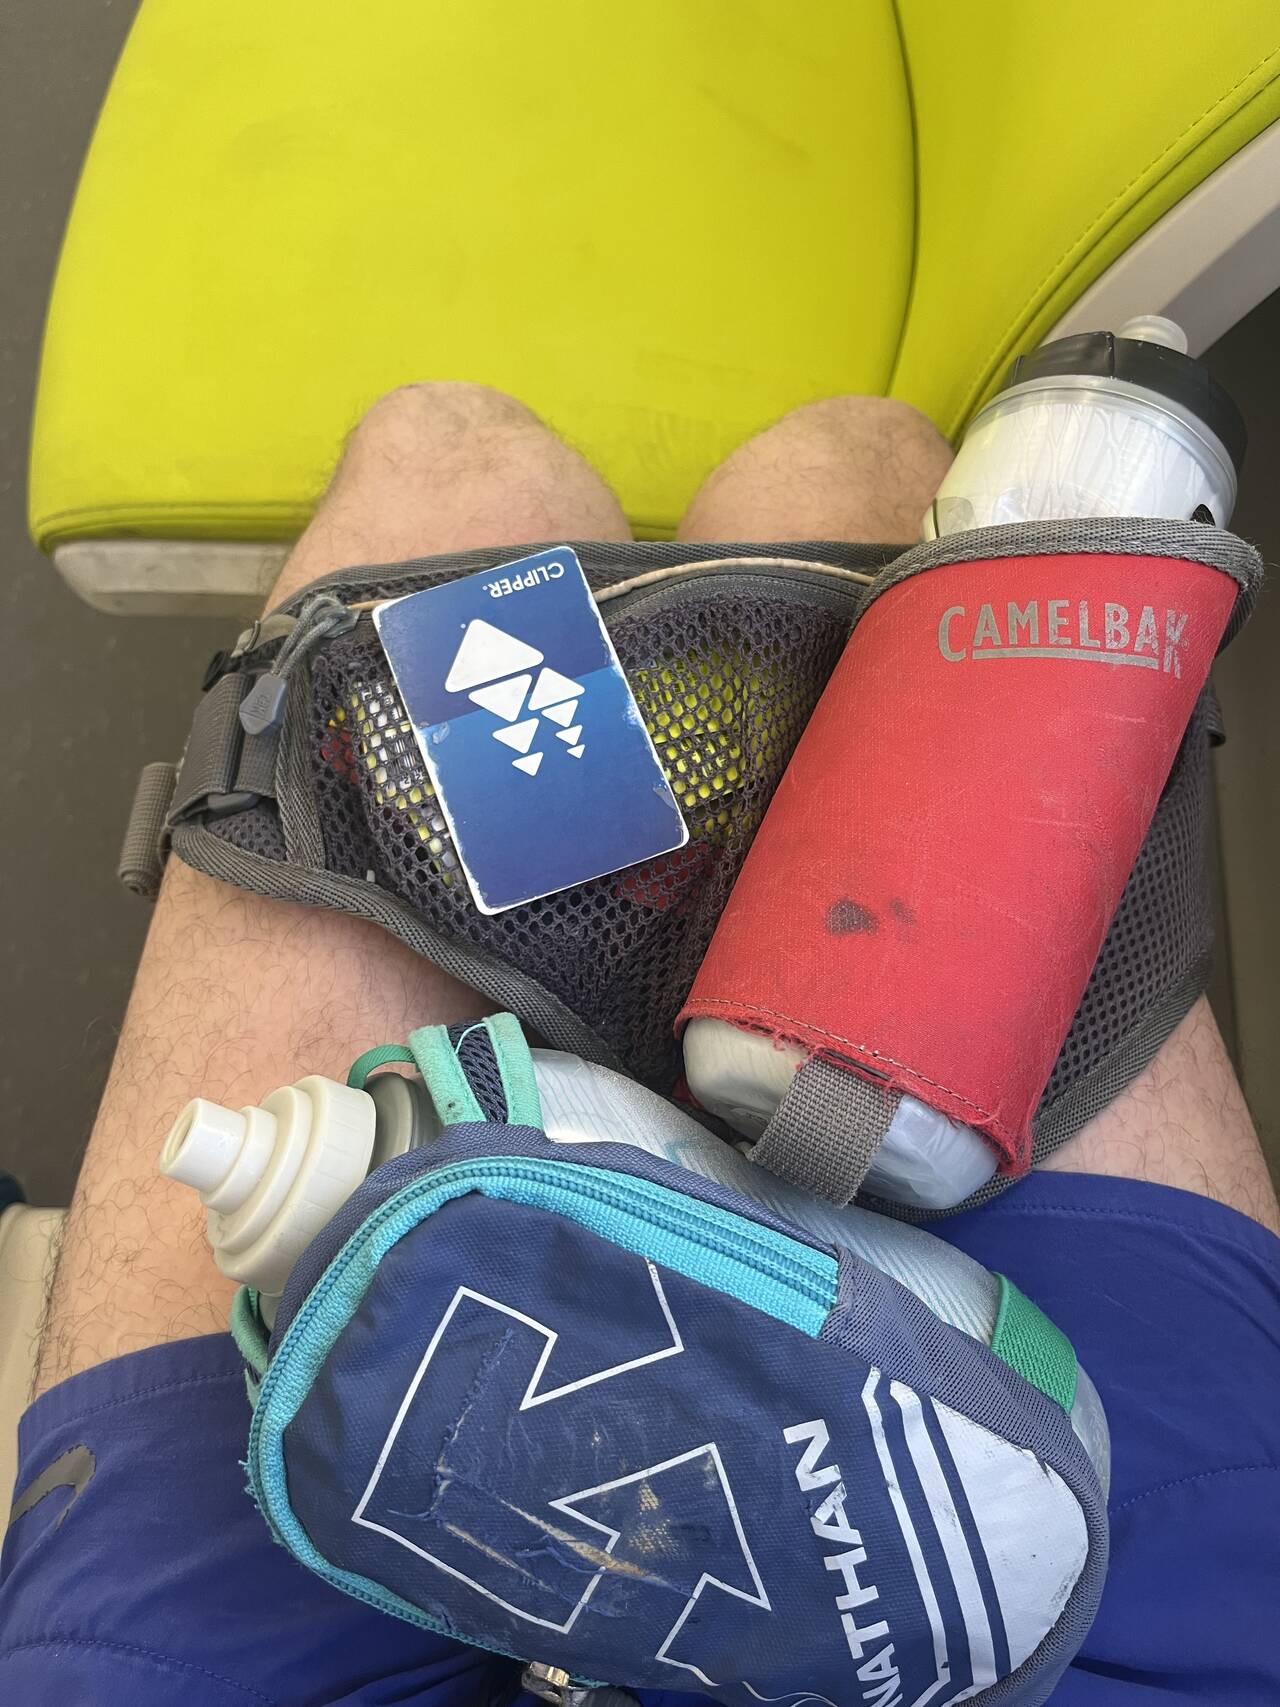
(485, 654)
(503, 699)
(519, 735)
(550, 688)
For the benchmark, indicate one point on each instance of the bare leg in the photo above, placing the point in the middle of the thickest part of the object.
(852, 468)
(1181, 1122)
(863, 468)
(235, 994)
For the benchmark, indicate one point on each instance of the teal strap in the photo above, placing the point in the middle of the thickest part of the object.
(436, 1055)
(442, 1074)
(252, 1339)
(515, 1064)
(372, 1059)
(1031, 1344)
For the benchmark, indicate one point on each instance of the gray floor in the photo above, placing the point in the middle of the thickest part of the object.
(87, 698)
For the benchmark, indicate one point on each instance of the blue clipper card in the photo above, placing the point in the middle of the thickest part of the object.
(533, 741)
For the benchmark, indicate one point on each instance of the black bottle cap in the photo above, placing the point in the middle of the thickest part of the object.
(1153, 366)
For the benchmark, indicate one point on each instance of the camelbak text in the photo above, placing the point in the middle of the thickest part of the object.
(872, 1654)
(1074, 629)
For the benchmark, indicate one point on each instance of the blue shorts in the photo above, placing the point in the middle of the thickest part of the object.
(144, 1575)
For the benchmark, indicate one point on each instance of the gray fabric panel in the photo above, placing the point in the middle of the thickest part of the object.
(143, 853)
(504, 985)
(1120, 536)
(294, 788)
(256, 772)
(826, 1130)
(213, 748)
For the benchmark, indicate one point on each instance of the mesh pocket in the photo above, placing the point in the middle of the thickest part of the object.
(725, 682)
(1162, 930)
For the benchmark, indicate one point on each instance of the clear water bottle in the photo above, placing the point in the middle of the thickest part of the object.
(1100, 424)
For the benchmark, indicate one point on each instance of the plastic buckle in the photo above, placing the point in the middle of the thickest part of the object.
(223, 805)
(221, 664)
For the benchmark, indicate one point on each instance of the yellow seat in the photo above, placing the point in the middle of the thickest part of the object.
(660, 225)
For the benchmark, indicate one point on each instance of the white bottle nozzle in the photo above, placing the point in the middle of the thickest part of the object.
(1155, 329)
(220, 1151)
(272, 1176)
(202, 1144)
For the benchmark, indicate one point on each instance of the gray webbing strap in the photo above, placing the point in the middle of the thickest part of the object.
(222, 769)
(145, 848)
(222, 765)
(256, 772)
(826, 1130)
(212, 757)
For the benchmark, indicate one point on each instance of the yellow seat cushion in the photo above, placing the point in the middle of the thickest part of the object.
(660, 225)
(1049, 138)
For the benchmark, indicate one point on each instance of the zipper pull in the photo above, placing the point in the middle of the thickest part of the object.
(554, 1684)
(262, 709)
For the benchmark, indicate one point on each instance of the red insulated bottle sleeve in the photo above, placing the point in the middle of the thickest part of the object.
(937, 870)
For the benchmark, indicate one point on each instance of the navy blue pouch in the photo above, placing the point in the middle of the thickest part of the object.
(582, 1405)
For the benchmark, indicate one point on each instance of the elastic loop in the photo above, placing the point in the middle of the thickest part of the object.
(252, 1340)
(384, 1055)
(447, 1084)
(1025, 1339)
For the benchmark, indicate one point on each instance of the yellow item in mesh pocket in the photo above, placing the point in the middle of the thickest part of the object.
(370, 737)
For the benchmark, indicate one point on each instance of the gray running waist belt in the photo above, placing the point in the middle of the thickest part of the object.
(302, 779)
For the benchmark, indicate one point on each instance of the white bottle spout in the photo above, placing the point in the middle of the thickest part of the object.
(272, 1176)
(1155, 329)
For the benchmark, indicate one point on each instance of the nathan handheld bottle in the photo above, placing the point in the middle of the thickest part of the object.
(1092, 426)
(272, 1176)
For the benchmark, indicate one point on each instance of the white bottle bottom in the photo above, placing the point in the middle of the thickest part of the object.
(924, 1159)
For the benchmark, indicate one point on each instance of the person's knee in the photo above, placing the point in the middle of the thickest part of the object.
(447, 465)
(849, 467)
(432, 411)
(851, 423)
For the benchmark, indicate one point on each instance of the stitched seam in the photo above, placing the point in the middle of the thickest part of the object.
(286, 506)
(144, 1393)
(1185, 1481)
(56, 1640)
(1017, 325)
(914, 126)
(862, 1048)
(294, 506)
